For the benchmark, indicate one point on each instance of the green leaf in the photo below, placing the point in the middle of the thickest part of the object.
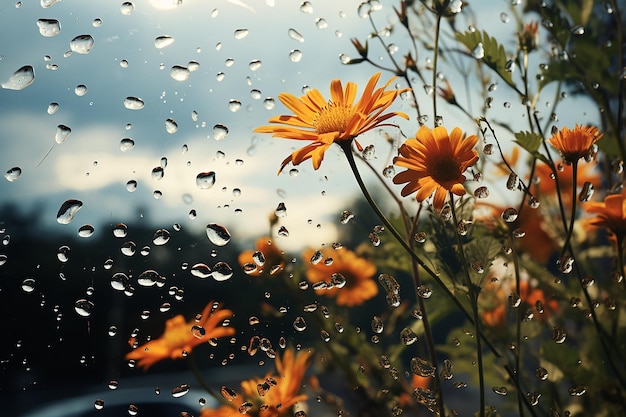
(531, 142)
(480, 254)
(495, 56)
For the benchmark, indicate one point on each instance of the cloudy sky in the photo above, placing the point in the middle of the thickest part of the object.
(197, 67)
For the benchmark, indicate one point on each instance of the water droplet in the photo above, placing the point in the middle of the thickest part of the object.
(481, 192)
(424, 291)
(234, 105)
(241, 33)
(68, 210)
(377, 325)
(28, 285)
(408, 337)
(83, 307)
(20, 79)
(163, 42)
(504, 17)
(127, 8)
(128, 248)
(299, 324)
(126, 144)
(13, 174)
(321, 23)
(578, 30)
(86, 230)
(49, 27)
(222, 271)
(180, 390)
(179, 73)
(479, 51)
(171, 126)
(500, 390)
(205, 180)
(149, 278)
(295, 35)
(229, 394)
(558, 334)
(98, 404)
(509, 215)
(306, 7)
(295, 55)
(80, 90)
(201, 270)
(157, 173)
(586, 193)
(82, 44)
(220, 132)
(53, 107)
(131, 186)
(217, 234)
(512, 182)
(422, 367)
(133, 103)
(161, 237)
(565, 263)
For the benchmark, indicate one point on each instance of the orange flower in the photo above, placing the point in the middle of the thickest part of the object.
(274, 395)
(181, 337)
(435, 163)
(529, 37)
(611, 213)
(325, 122)
(266, 259)
(575, 144)
(348, 277)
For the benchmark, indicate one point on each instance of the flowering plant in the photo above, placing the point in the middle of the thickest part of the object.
(494, 284)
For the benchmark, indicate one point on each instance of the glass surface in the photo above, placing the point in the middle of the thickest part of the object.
(137, 196)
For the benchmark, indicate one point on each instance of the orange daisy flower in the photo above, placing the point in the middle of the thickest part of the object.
(275, 394)
(435, 163)
(266, 259)
(348, 276)
(180, 337)
(611, 213)
(325, 122)
(575, 144)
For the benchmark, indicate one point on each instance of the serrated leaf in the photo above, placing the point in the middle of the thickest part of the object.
(481, 253)
(531, 142)
(495, 56)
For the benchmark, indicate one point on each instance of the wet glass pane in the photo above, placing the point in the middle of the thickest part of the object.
(292, 208)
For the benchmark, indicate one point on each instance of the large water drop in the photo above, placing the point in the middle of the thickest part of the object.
(68, 210)
(82, 44)
(20, 79)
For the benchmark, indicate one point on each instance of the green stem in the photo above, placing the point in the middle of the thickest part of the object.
(435, 58)
(196, 373)
(570, 230)
(518, 328)
(474, 300)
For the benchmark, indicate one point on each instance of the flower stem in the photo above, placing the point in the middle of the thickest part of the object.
(196, 373)
(474, 300)
(435, 57)
(570, 230)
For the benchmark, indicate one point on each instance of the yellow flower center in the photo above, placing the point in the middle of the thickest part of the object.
(333, 118)
(446, 170)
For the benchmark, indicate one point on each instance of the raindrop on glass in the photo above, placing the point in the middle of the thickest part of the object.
(234, 105)
(299, 324)
(13, 174)
(205, 180)
(53, 107)
(217, 234)
(478, 52)
(295, 35)
(222, 271)
(171, 126)
(241, 33)
(20, 79)
(163, 41)
(82, 44)
(86, 230)
(83, 307)
(220, 132)
(295, 55)
(49, 27)
(68, 210)
(127, 8)
(161, 237)
(133, 103)
(80, 90)
(306, 7)
(179, 73)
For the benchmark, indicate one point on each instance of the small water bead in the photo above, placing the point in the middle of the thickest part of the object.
(269, 103)
(558, 334)
(49, 27)
(481, 192)
(28, 285)
(205, 180)
(408, 337)
(255, 64)
(299, 324)
(321, 23)
(133, 103)
(80, 90)
(479, 51)
(500, 390)
(234, 105)
(157, 173)
(180, 390)
(86, 230)
(377, 324)
(295, 35)
(128, 248)
(220, 132)
(82, 44)
(161, 237)
(171, 126)
(127, 8)
(222, 272)
(163, 41)
(541, 374)
(241, 33)
(83, 307)
(179, 73)
(68, 210)
(13, 174)
(62, 133)
(422, 367)
(306, 7)
(295, 55)
(131, 186)
(565, 264)
(509, 215)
